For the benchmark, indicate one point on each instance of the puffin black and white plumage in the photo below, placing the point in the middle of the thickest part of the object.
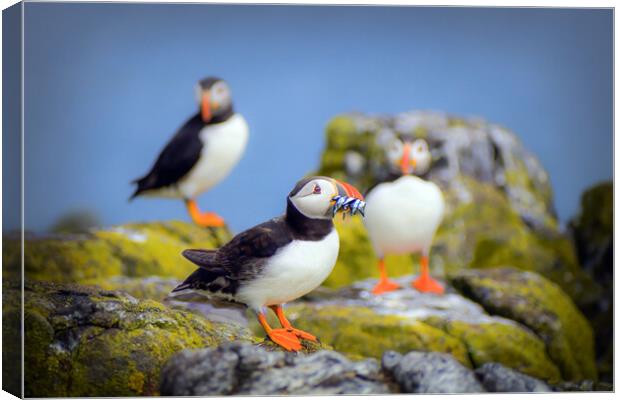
(201, 154)
(420, 206)
(279, 260)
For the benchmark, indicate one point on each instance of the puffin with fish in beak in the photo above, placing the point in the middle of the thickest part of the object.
(279, 260)
(403, 215)
(201, 154)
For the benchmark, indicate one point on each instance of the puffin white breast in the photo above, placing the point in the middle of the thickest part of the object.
(402, 216)
(295, 270)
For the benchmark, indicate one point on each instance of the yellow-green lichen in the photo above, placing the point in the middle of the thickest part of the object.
(83, 341)
(505, 343)
(541, 306)
(359, 332)
(485, 232)
(135, 250)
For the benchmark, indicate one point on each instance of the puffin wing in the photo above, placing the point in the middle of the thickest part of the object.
(176, 159)
(221, 271)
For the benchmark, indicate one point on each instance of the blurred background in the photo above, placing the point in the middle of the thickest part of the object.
(107, 85)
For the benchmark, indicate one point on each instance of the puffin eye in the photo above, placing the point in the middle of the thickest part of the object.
(316, 189)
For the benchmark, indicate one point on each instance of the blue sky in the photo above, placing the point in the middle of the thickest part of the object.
(108, 84)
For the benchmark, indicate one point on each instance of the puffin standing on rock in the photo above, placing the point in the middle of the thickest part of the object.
(403, 215)
(279, 260)
(202, 152)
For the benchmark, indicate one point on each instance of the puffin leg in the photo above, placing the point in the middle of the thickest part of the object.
(281, 337)
(424, 283)
(287, 325)
(206, 219)
(384, 284)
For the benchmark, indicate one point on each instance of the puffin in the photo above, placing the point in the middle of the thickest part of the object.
(279, 260)
(404, 214)
(201, 153)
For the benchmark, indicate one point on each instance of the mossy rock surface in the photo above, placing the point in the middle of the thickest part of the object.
(482, 230)
(504, 342)
(592, 231)
(134, 250)
(359, 332)
(542, 306)
(461, 146)
(144, 288)
(83, 341)
(361, 325)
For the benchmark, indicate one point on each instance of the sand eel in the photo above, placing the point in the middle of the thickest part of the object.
(202, 152)
(403, 215)
(279, 260)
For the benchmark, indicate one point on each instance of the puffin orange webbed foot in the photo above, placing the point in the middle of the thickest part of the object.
(385, 285)
(303, 335)
(277, 309)
(426, 284)
(285, 339)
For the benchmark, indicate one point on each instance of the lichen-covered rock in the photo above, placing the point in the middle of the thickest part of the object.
(540, 305)
(429, 372)
(147, 288)
(482, 230)
(592, 231)
(497, 378)
(361, 325)
(469, 147)
(83, 341)
(242, 369)
(499, 201)
(131, 250)
(359, 332)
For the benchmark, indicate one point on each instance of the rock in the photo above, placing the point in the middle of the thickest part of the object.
(419, 372)
(147, 288)
(540, 305)
(482, 230)
(83, 341)
(497, 378)
(583, 386)
(243, 369)
(361, 325)
(134, 250)
(468, 147)
(592, 231)
(499, 201)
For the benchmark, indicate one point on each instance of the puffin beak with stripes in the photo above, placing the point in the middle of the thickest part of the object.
(348, 199)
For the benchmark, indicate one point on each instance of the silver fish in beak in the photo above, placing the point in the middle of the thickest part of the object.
(350, 204)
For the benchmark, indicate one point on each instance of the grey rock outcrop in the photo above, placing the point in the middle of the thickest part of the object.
(419, 372)
(497, 378)
(241, 369)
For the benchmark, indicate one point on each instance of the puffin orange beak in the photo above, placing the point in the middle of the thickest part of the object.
(405, 161)
(348, 199)
(346, 189)
(205, 108)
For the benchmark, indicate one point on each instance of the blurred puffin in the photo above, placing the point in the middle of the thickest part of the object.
(202, 152)
(403, 215)
(279, 260)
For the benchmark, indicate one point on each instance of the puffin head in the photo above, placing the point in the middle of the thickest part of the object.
(321, 197)
(214, 98)
(409, 157)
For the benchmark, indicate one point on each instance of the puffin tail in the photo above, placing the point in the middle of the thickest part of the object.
(142, 184)
(203, 258)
